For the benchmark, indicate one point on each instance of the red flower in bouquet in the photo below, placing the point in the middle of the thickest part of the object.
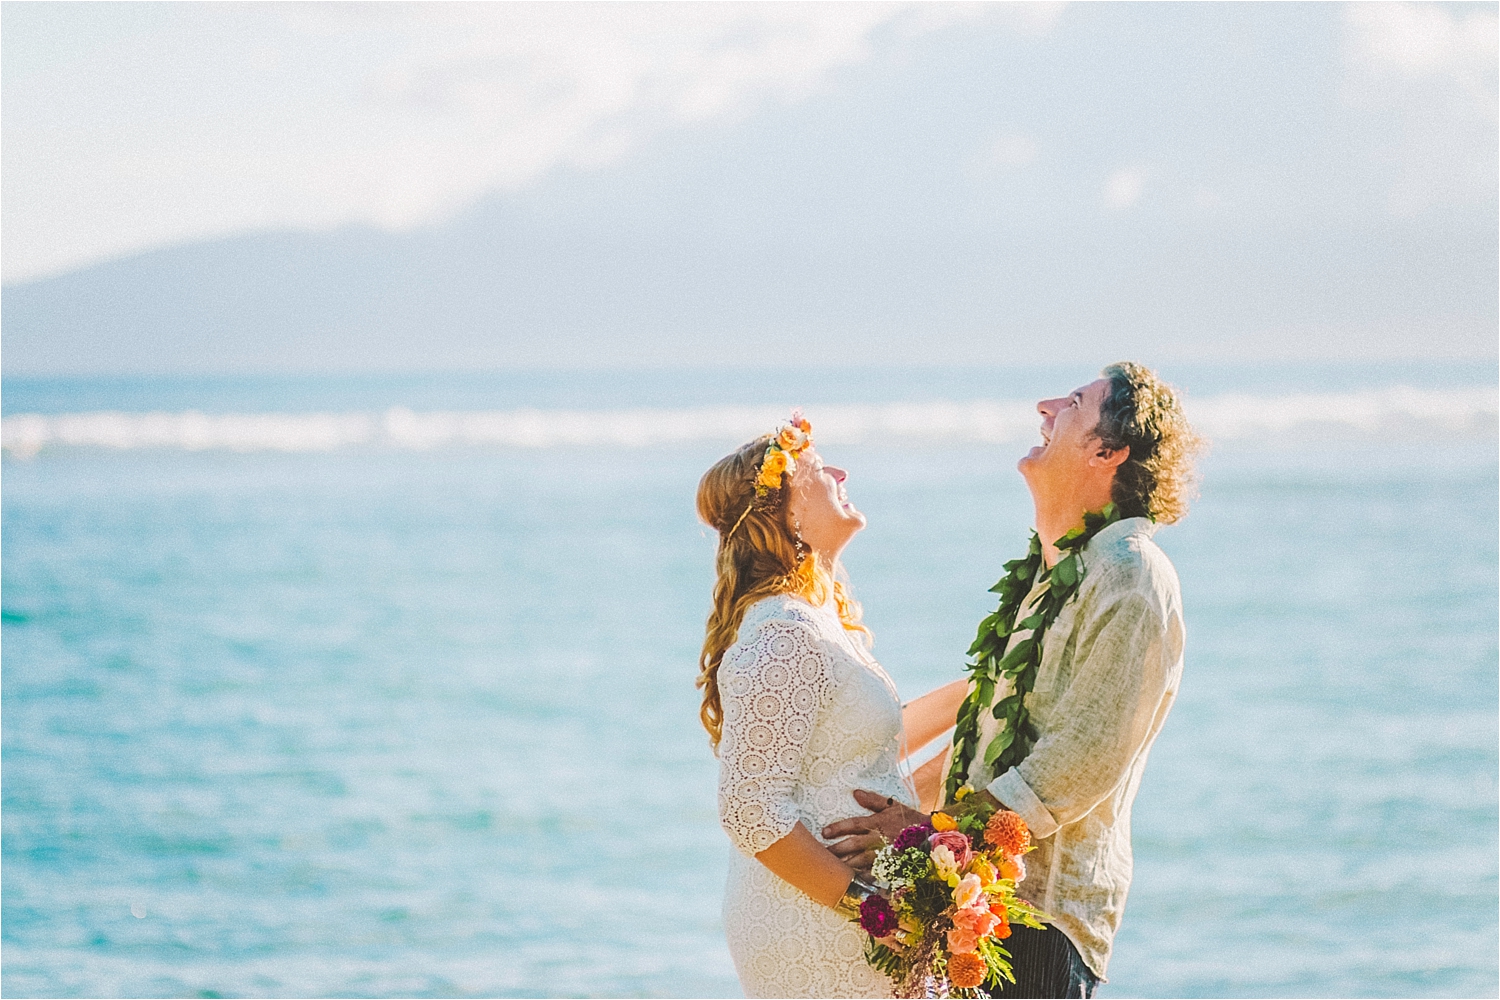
(876, 917)
(912, 836)
(953, 888)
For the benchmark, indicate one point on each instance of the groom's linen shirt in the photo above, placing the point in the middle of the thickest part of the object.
(1110, 667)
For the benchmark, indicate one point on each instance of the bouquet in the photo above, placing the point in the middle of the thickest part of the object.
(952, 888)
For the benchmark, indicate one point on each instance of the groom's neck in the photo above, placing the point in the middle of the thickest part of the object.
(1059, 511)
(1052, 522)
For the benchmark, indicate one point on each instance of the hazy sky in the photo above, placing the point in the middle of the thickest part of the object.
(136, 125)
(1335, 130)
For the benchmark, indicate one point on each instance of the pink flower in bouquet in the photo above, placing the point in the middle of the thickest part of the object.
(968, 891)
(961, 941)
(876, 916)
(1013, 869)
(957, 844)
(976, 920)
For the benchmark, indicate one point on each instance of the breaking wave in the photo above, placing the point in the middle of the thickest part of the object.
(1395, 412)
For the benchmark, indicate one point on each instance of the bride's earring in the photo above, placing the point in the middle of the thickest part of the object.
(797, 539)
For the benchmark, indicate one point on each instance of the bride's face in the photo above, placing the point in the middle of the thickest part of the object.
(819, 508)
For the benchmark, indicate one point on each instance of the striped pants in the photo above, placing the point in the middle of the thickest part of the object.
(1045, 964)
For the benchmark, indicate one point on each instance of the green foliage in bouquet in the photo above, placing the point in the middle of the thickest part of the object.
(928, 900)
(883, 959)
(950, 900)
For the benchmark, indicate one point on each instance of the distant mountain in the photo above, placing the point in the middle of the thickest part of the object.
(505, 287)
(852, 228)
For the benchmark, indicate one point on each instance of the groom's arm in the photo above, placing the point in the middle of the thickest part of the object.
(933, 714)
(1120, 690)
(862, 836)
(928, 781)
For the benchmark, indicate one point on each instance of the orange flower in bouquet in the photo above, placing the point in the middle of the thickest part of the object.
(952, 884)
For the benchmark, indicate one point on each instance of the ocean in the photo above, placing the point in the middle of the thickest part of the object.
(382, 686)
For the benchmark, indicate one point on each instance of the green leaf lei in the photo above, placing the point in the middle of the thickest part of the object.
(1019, 664)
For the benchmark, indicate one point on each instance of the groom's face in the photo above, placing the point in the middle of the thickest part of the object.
(1061, 461)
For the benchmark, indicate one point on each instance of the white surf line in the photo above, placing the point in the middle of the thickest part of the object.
(1398, 411)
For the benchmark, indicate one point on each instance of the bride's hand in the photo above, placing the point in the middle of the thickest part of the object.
(898, 939)
(862, 836)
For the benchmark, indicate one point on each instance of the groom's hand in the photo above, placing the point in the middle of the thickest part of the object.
(862, 836)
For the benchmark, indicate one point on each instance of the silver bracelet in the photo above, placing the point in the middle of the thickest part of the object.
(860, 889)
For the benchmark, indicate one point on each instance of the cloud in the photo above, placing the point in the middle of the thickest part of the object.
(223, 119)
(1124, 187)
(1434, 71)
(1425, 41)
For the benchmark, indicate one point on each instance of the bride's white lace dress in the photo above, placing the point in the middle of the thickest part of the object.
(809, 716)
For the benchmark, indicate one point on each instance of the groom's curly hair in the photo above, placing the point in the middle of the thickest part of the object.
(1143, 413)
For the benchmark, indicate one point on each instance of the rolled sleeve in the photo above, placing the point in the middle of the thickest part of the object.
(1122, 678)
(1011, 789)
(772, 693)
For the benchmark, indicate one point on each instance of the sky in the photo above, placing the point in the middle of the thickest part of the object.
(1225, 130)
(135, 125)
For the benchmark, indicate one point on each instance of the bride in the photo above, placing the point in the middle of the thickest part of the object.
(800, 714)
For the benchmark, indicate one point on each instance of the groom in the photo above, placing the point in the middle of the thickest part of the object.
(1109, 669)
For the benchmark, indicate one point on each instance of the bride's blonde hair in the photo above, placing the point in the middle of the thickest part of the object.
(758, 556)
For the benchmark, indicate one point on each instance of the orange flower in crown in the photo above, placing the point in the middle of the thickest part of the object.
(771, 468)
(790, 441)
(796, 435)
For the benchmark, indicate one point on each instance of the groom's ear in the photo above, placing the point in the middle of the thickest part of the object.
(1110, 458)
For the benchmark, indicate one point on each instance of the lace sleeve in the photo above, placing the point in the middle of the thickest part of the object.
(772, 693)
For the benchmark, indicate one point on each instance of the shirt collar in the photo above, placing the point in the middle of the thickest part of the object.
(1143, 527)
(1125, 527)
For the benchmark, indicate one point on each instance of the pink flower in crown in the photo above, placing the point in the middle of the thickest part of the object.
(957, 843)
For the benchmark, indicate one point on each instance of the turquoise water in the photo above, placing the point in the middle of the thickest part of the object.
(377, 722)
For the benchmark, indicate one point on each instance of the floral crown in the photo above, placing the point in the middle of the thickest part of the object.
(791, 440)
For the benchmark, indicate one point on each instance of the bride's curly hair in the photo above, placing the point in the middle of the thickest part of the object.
(758, 556)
